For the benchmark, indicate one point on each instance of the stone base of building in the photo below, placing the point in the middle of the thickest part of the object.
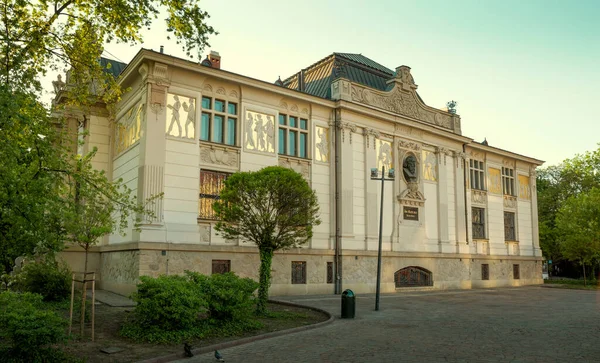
(119, 266)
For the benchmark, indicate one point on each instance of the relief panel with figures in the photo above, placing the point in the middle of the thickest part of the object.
(181, 116)
(259, 132)
(429, 166)
(322, 144)
(129, 128)
(385, 155)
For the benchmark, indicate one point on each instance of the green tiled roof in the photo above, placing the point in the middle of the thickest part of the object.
(115, 67)
(354, 67)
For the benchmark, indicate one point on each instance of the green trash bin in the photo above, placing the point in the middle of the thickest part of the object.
(348, 304)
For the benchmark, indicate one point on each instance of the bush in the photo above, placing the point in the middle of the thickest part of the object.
(29, 329)
(167, 303)
(47, 278)
(227, 296)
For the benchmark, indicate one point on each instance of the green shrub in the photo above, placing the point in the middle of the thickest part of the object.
(227, 296)
(28, 330)
(167, 303)
(47, 278)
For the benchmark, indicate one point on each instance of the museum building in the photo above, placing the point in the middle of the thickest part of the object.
(456, 213)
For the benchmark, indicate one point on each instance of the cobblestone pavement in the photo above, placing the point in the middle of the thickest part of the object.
(527, 324)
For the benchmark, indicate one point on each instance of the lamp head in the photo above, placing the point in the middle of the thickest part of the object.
(391, 173)
(374, 172)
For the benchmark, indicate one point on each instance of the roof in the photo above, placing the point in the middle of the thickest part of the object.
(115, 67)
(354, 67)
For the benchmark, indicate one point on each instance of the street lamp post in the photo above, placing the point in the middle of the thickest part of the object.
(374, 176)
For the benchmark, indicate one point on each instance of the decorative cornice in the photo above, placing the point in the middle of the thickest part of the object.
(409, 145)
(478, 197)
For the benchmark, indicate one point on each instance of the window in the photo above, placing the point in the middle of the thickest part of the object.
(516, 272)
(221, 266)
(485, 271)
(298, 272)
(477, 174)
(211, 184)
(330, 272)
(478, 221)
(218, 121)
(509, 226)
(293, 136)
(508, 181)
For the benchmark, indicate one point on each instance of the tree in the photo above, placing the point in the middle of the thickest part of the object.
(578, 221)
(37, 172)
(275, 208)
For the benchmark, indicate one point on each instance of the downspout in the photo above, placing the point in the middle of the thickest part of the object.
(465, 166)
(338, 222)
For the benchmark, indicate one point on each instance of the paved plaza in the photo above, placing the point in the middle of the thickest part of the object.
(527, 324)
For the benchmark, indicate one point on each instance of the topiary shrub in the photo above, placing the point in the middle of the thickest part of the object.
(27, 329)
(167, 309)
(46, 277)
(227, 296)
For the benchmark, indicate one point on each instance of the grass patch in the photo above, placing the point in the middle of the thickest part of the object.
(573, 283)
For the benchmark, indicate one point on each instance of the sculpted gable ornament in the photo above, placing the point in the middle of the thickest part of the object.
(402, 99)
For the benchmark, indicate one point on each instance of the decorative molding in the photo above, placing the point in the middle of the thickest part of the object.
(233, 93)
(152, 180)
(204, 230)
(208, 87)
(304, 110)
(160, 74)
(533, 171)
(441, 151)
(476, 155)
(459, 156)
(408, 145)
(510, 202)
(143, 71)
(508, 163)
(218, 155)
(412, 196)
(342, 126)
(283, 105)
(294, 108)
(371, 132)
(221, 91)
(478, 197)
(400, 101)
(299, 166)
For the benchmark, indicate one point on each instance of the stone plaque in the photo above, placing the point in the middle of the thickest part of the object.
(411, 213)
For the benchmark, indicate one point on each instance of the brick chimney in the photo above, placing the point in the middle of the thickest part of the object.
(215, 59)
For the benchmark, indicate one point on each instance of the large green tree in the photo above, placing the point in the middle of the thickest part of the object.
(275, 208)
(38, 169)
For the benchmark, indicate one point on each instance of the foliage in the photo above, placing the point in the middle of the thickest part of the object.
(578, 221)
(274, 208)
(558, 188)
(227, 296)
(29, 329)
(167, 308)
(45, 277)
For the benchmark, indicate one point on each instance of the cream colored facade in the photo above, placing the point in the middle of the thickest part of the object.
(154, 146)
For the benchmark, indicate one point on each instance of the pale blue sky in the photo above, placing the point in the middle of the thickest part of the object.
(525, 73)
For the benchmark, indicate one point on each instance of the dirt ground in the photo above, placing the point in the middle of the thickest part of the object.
(109, 320)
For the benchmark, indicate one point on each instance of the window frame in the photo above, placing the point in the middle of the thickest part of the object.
(485, 271)
(225, 116)
(477, 174)
(516, 271)
(508, 181)
(212, 197)
(482, 223)
(216, 263)
(297, 131)
(329, 270)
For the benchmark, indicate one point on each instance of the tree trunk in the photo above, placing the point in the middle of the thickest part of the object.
(266, 258)
(83, 290)
(584, 280)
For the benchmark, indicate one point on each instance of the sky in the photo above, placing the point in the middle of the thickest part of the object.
(525, 74)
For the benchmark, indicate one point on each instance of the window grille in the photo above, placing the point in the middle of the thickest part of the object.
(211, 184)
(298, 272)
(509, 226)
(485, 271)
(516, 272)
(478, 222)
(221, 266)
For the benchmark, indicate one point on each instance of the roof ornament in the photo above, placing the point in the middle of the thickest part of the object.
(484, 142)
(452, 106)
(206, 62)
(58, 85)
(403, 76)
(279, 82)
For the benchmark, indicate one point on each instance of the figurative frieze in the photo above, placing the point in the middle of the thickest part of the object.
(128, 129)
(429, 166)
(259, 132)
(385, 155)
(494, 181)
(174, 117)
(322, 144)
(524, 190)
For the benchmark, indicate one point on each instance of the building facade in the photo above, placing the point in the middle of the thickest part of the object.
(457, 214)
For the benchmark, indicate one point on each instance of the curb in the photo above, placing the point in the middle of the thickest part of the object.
(234, 343)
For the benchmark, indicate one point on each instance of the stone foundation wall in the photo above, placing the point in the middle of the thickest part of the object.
(119, 267)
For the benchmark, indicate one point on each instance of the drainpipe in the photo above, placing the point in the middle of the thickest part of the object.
(465, 166)
(338, 222)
